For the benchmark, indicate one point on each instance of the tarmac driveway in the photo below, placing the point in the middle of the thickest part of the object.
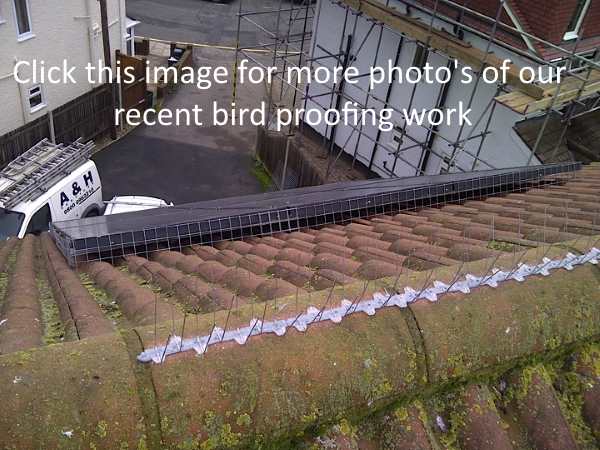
(202, 21)
(186, 164)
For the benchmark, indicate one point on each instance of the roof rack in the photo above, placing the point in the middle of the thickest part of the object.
(32, 173)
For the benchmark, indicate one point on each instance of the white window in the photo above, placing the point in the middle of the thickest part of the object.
(23, 18)
(577, 20)
(36, 99)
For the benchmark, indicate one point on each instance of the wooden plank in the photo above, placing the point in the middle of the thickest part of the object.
(563, 97)
(517, 101)
(569, 90)
(442, 42)
(571, 83)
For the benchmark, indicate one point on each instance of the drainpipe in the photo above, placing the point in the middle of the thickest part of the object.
(122, 26)
(88, 16)
(432, 133)
(21, 98)
(387, 100)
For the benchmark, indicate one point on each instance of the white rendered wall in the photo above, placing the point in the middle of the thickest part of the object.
(60, 29)
(501, 148)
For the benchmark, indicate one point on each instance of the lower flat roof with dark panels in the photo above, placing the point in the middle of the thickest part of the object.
(211, 221)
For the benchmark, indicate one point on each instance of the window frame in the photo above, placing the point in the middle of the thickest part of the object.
(28, 34)
(42, 104)
(47, 211)
(574, 33)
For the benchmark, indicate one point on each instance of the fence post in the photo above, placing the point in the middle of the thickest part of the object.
(51, 127)
(119, 86)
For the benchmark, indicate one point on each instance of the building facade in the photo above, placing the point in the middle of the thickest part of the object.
(491, 141)
(51, 31)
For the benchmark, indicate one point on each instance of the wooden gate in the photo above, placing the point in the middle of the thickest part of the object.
(133, 95)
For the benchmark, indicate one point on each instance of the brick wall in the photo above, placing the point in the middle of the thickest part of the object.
(591, 24)
(547, 19)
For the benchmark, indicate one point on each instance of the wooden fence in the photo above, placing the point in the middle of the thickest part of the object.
(20, 140)
(133, 94)
(88, 116)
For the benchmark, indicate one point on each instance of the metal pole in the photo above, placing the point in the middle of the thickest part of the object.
(285, 162)
(338, 104)
(571, 109)
(426, 48)
(492, 37)
(237, 52)
(540, 135)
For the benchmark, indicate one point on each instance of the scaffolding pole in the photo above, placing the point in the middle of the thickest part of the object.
(298, 46)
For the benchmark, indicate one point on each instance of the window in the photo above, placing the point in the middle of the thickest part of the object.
(10, 223)
(577, 20)
(421, 56)
(40, 221)
(23, 18)
(130, 46)
(36, 99)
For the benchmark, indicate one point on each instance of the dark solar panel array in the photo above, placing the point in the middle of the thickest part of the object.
(109, 237)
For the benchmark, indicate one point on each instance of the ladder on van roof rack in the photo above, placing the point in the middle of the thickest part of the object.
(31, 174)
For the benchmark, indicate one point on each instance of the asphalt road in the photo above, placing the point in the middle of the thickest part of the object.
(202, 21)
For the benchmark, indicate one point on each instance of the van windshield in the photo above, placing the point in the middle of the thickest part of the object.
(10, 223)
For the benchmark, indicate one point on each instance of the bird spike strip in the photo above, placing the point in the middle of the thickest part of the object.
(176, 344)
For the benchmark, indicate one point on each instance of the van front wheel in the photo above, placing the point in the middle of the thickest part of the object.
(93, 213)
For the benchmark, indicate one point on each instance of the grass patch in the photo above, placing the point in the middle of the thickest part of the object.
(107, 304)
(5, 274)
(260, 173)
(144, 283)
(54, 330)
(501, 246)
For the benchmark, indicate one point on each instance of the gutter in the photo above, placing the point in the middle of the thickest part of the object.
(388, 95)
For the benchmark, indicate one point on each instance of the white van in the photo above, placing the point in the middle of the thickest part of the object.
(48, 183)
(134, 203)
